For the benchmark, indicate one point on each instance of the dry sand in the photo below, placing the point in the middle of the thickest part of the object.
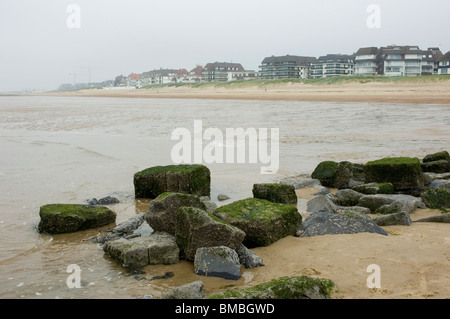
(426, 92)
(414, 260)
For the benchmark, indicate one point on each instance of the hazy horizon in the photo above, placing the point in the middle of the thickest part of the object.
(42, 50)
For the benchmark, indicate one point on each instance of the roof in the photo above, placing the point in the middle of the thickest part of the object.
(446, 57)
(342, 58)
(299, 60)
(367, 51)
(133, 76)
(212, 66)
(161, 72)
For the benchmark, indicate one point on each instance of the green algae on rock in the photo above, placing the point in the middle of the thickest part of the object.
(437, 198)
(333, 174)
(69, 218)
(404, 173)
(298, 287)
(196, 228)
(184, 178)
(262, 221)
(444, 155)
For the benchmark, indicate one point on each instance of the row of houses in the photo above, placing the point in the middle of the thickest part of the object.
(388, 61)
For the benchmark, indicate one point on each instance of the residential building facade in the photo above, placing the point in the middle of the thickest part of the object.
(333, 65)
(444, 64)
(397, 61)
(285, 67)
(221, 71)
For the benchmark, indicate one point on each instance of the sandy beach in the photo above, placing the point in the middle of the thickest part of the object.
(427, 92)
(414, 260)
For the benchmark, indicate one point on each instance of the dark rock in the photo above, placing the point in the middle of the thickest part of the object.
(277, 193)
(248, 258)
(444, 155)
(437, 198)
(404, 173)
(68, 218)
(299, 287)
(197, 228)
(263, 222)
(441, 166)
(210, 205)
(219, 261)
(188, 179)
(353, 209)
(193, 290)
(396, 207)
(109, 200)
(158, 248)
(162, 210)
(166, 275)
(323, 223)
(333, 174)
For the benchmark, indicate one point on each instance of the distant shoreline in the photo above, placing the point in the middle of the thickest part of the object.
(418, 91)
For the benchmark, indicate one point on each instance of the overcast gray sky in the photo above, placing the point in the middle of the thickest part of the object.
(39, 51)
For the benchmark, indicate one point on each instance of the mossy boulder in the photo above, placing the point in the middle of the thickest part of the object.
(277, 193)
(333, 174)
(69, 218)
(444, 155)
(437, 198)
(188, 179)
(263, 222)
(375, 188)
(161, 215)
(158, 248)
(298, 287)
(440, 166)
(347, 197)
(404, 173)
(196, 228)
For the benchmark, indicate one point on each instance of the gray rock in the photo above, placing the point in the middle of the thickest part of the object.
(439, 183)
(92, 202)
(301, 181)
(373, 202)
(222, 197)
(197, 228)
(275, 192)
(162, 210)
(218, 261)
(322, 191)
(396, 207)
(144, 230)
(193, 290)
(354, 209)
(322, 203)
(442, 218)
(323, 223)
(375, 188)
(248, 258)
(347, 197)
(400, 218)
(130, 225)
(146, 297)
(158, 248)
(210, 205)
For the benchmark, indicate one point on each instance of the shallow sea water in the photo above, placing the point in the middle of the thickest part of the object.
(68, 149)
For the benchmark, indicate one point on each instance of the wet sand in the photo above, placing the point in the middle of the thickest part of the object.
(426, 92)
